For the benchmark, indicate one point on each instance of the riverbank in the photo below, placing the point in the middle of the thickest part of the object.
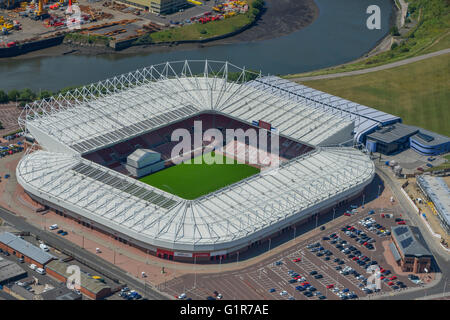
(279, 18)
(423, 27)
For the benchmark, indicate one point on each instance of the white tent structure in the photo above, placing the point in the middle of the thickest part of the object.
(227, 220)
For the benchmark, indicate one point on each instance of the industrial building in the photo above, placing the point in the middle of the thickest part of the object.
(90, 287)
(437, 191)
(398, 137)
(20, 248)
(61, 293)
(10, 272)
(156, 6)
(408, 252)
(74, 171)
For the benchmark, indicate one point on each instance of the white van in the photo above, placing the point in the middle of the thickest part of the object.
(33, 266)
(43, 247)
(53, 227)
(40, 270)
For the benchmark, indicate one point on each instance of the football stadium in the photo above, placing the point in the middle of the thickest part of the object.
(103, 156)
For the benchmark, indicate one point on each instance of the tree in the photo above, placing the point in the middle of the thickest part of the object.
(44, 94)
(13, 95)
(27, 95)
(3, 97)
(258, 4)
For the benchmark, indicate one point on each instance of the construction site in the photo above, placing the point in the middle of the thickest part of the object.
(31, 25)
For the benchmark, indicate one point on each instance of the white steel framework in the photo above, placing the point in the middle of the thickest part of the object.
(117, 109)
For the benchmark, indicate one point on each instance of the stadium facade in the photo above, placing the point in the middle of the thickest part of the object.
(70, 128)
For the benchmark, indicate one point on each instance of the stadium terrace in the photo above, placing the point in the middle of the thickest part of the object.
(83, 138)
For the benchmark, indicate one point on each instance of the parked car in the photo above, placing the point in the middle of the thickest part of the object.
(40, 270)
(53, 227)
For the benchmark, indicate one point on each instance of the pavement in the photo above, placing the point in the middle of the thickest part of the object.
(374, 69)
(442, 281)
(5, 296)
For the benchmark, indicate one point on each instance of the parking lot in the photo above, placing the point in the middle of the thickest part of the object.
(329, 265)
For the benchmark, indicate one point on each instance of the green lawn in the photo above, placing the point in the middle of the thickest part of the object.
(419, 92)
(190, 181)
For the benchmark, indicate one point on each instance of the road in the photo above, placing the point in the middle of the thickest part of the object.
(441, 258)
(5, 296)
(374, 69)
(82, 256)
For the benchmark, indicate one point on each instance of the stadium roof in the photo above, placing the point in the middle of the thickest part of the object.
(366, 119)
(25, 248)
(114, 110)
(117, 109)
(230, 214)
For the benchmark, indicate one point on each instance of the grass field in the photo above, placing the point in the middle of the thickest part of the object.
(419, 92)
(190, 181)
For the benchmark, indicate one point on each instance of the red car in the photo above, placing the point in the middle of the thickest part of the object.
(390, 283)
(305, 283)
(382, 270)
(393, 278)
(330, 286)
(382, 277)
(347, 214)
(401, 222)
(355, 258)
(297, 260)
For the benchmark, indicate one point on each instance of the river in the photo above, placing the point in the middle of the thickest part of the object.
(337, 36)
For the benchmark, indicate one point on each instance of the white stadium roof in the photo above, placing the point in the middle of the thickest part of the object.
(116, 109)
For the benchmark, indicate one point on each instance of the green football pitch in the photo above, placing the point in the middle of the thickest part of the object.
(190, 180)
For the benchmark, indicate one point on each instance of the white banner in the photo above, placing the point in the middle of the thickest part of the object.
(183, 254)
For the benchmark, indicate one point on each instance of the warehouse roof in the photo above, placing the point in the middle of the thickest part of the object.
(10, 270)
(429, 138)
(393, 133)
(439, 193)
(90, 284)
(61, 293)
(407, 242)
(25, 248)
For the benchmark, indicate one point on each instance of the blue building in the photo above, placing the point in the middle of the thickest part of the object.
(398, 137)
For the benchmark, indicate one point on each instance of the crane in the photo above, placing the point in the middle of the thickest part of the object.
(40, 13)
